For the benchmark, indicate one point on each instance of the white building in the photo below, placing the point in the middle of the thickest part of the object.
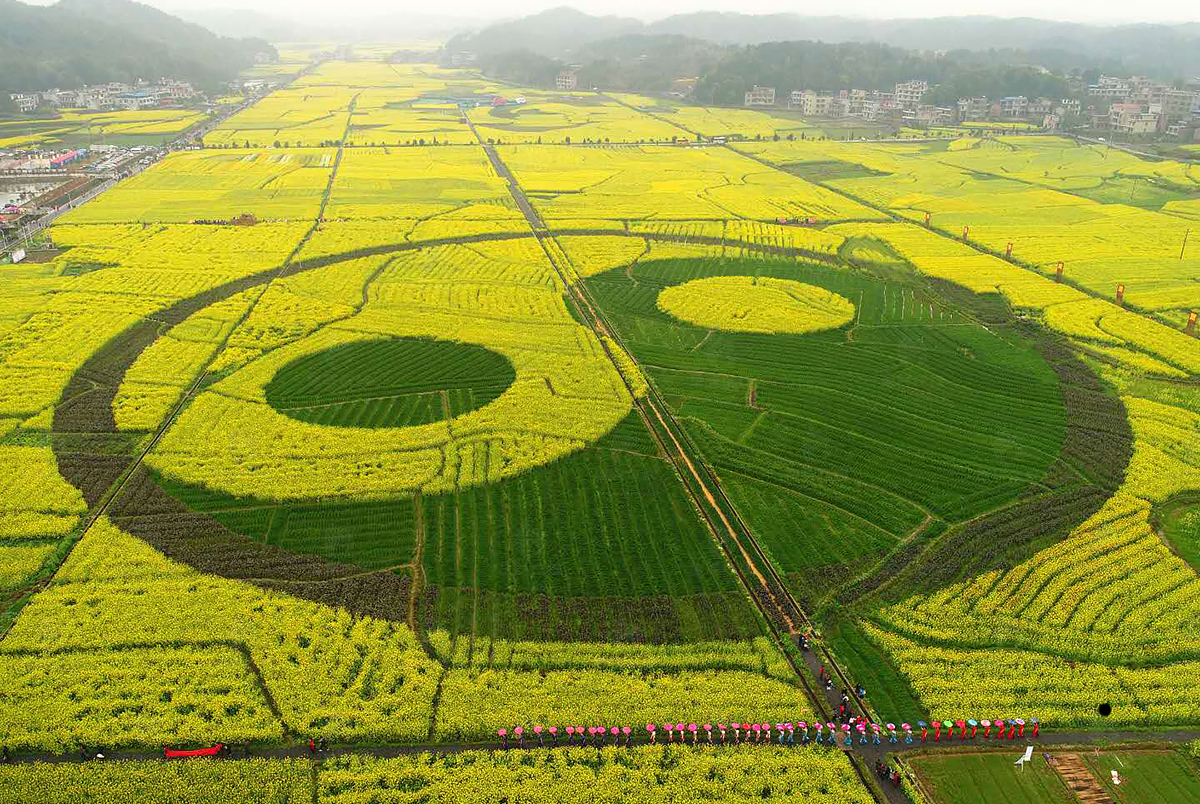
(910, 93)
(973, 108)
(760, 96)
(567, 81)
(24, 103)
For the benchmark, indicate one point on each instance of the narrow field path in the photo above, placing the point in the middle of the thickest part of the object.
(1052, 741)
(1077, 776)
(766, 588)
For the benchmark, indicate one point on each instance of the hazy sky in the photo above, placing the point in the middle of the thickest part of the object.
(1073, 10)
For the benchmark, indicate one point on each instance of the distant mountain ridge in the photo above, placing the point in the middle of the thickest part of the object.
(1165, 51)
(76, 42)
(400, 25)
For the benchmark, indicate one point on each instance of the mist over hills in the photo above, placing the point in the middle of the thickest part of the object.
(401, 26)
(1165, 51)
(76, 42)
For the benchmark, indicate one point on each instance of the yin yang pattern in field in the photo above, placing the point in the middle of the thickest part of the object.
(487, 555)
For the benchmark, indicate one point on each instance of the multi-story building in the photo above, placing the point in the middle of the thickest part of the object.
(973, 108)
(1012, 106)
(1039, 108)
(136, 100)
(760, 96)
(567, 81)
(1067, 106)
(24, 103)
(800, 98)
(1178, 104)
(1111, 89)
(934, 115)
(910, 93)
(1132, 118)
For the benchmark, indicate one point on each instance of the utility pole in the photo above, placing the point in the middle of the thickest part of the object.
(1183, 248)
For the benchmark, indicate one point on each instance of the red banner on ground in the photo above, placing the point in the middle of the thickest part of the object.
(172, 753)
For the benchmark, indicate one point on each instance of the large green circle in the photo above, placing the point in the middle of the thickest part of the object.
(393, 382)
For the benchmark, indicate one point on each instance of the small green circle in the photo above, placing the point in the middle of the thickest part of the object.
(394, 382)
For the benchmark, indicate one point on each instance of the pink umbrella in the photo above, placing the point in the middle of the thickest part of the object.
(721, 726)
(520, 732)
(987, 727)
(670, 727)
(736, 730)
(538, 731)
(708, 730)
(504, 736)
(757, 731)
(692, 729)
(626, 731)
(554, 734)
(650, 728)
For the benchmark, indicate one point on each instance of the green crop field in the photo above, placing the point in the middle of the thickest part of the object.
(959, 779)
(839, 446)
(1164, 776)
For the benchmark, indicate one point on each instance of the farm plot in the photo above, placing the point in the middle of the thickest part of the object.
(1167, 776)
(666, 183)
(569, 120)
(253, 781)
(406, 185)
(860, 433)
(1105, 214)
(293, 117)
(383, 119)
(644, 775)
(73, 128)
(965, 778)
(208, 185)
(746, 124)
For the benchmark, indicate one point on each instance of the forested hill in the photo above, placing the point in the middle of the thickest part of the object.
(1168, 52)
(789, 66)
(76, 42)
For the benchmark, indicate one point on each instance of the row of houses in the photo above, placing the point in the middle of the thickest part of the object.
(108, 97)
(867, 104)
(1129, 105)
(1137, 105)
